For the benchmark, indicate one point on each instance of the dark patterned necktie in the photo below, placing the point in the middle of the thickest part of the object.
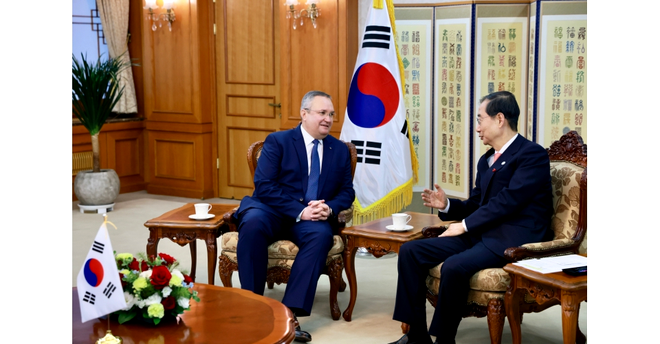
(314, 173)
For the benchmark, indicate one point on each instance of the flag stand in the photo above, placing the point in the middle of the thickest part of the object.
(109, 338)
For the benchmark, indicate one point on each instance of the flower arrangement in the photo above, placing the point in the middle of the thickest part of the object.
(153, 287)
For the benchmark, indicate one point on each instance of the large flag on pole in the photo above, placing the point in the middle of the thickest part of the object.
(98, 283)
(376, 122)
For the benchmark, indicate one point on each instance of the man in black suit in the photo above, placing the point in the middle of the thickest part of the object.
(510, 205)
(302, 181)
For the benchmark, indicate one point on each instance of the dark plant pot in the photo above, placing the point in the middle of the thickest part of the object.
(96, 188)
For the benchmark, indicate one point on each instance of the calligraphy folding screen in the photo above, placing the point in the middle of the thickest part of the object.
(453, 55)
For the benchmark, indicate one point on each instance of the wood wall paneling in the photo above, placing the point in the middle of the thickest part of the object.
(238, 142)
(249, 39)
(319, 58)
(180, 102)
(181, 164)
(247, 61)
(121, 149)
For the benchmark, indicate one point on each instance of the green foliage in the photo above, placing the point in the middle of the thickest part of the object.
(125, 316)
(95, 90)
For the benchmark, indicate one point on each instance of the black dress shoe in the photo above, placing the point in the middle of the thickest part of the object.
(406, 340)
(301, 336)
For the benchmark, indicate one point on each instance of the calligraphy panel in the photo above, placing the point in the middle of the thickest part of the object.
(563, 82)
(452, 104)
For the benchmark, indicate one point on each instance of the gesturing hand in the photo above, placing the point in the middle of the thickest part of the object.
(435, 199)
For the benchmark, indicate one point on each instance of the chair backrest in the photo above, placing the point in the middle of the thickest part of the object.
(568, 169)
(254, 152)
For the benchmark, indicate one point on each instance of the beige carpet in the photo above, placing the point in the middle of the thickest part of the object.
(372, 316)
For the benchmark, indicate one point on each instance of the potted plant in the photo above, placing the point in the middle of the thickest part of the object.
(95, 90)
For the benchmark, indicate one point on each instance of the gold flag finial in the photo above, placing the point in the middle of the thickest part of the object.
(109, 339)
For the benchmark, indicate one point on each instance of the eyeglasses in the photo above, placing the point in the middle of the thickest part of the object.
(322, 113)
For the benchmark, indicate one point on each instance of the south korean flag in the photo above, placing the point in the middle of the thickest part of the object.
(376, 123)
(98, 283)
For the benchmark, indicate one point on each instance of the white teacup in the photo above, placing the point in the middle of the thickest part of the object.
(400, 220)
(202, 209)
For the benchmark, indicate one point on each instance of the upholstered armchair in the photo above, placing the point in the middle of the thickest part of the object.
(568, 168)
(282, 253)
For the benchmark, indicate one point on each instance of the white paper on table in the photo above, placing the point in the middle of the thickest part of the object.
(549, 265)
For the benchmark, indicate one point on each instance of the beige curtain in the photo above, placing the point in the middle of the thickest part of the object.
(114, 18)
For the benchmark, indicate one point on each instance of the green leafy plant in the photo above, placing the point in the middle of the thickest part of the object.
(95, 90)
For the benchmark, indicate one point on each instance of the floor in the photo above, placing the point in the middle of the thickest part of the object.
(372, 316)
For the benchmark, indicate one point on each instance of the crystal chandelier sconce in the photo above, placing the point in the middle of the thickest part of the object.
(159, 18)
(312, 12)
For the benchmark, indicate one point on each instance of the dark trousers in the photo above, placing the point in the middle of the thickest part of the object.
(463, 256)
(258, 229)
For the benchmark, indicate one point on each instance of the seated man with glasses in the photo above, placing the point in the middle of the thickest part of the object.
(302, 181)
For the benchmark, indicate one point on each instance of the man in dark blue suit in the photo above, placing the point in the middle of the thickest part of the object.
(510, 205)
(302, 181)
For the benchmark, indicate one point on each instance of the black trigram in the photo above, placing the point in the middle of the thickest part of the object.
(98, 247)
(376, 36)
(89, 297)
(368, 152)
(109, 289)
(404, 130)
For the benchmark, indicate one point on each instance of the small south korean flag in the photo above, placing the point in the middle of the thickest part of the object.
(99, 286)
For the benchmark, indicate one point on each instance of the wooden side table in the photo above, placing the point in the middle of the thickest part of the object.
(379, 241)
(178, 227)
(223, 315)
(568, 290)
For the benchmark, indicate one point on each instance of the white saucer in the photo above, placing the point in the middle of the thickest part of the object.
(201, 217)
(406, 228)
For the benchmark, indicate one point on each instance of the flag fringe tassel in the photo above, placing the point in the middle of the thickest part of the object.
(393, 202)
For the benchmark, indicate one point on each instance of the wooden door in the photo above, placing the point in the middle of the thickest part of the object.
(248, 86)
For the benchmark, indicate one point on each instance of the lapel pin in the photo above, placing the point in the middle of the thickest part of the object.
(503, 162)
(494, 170)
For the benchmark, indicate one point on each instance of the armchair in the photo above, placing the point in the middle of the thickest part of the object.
(282, 253)
(568, 168)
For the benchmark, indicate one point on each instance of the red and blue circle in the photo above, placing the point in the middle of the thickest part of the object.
(93, 271)
(374, 96)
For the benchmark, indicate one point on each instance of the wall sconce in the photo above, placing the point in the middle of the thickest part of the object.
(156, 17)
(312, 12)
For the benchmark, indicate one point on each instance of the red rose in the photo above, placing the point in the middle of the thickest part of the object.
(160, 277)
(135, 265)
(167, 258)
(168, 303)
(187, 279)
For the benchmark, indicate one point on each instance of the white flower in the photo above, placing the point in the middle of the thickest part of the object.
(155, 298)
(183, 302)
(130, 301)
(167, 291)
(140, 303)
(146, 274)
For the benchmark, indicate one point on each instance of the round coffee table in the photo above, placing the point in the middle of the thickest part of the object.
(223, 315)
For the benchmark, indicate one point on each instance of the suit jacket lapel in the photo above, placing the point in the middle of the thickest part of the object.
(489, 172)
(301, 151)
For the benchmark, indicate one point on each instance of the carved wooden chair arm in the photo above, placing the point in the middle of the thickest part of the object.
(434, 231)
(230, 221)
(542, 249)
(345, 216)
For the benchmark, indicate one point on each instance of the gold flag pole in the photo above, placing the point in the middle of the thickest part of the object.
(109, 338)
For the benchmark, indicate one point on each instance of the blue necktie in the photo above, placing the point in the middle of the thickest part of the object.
(314, 173)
